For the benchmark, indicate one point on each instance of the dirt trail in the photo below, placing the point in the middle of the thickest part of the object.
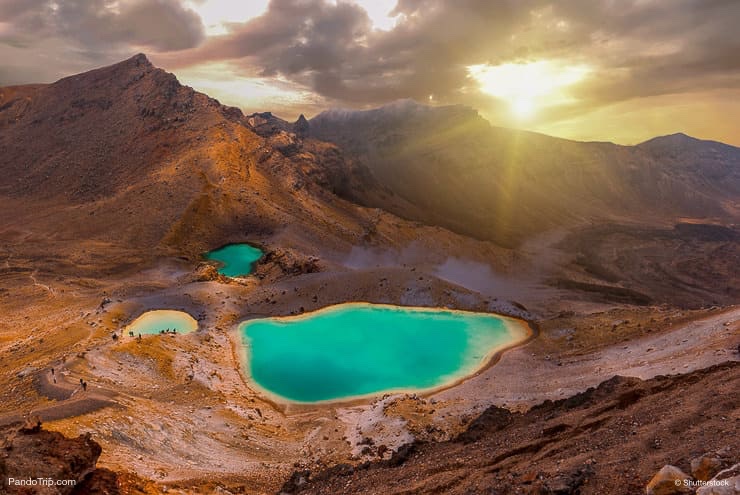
(70, 398)
(36, 283)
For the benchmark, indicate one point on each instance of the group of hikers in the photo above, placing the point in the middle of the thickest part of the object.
(166, 331)
(83, 383)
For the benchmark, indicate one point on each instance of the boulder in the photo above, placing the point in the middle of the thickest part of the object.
(706, 466)
(729, 486)
(206, 272)
(726, 482)
(668, 481)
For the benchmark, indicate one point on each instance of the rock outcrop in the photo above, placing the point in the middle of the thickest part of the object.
(34, 460)
(670, 480)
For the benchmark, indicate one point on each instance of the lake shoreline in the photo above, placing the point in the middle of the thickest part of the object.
(520, 333)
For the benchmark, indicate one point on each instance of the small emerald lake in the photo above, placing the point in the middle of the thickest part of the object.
(235, 260)
(162, 320)
(359, 349)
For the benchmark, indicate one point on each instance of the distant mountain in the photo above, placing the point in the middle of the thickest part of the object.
(506, 185)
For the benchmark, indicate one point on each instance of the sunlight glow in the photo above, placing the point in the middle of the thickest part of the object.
(218, 14)
(251, 94)
(522, 107)
(378, 11)
(527, 87)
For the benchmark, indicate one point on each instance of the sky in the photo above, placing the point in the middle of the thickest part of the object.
(608, 70)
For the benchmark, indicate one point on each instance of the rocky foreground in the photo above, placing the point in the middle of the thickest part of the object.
(609, 440)
(37, 461)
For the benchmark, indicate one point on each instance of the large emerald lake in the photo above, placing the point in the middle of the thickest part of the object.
(235, 260)
(359, 349)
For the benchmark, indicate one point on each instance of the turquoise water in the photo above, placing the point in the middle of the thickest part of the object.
(153, 322)
(236, 259)
(359, 349)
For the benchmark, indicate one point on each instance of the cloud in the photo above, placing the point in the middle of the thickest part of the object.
(634, 49)
(638, 47)
(160, 25)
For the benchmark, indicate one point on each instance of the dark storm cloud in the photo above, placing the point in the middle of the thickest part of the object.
(637, 47)
(101, 25)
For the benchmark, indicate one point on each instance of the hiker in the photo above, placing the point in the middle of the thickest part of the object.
(84, 386)
(139, 337)
(81, 381)
(130, 333)
(52, 371)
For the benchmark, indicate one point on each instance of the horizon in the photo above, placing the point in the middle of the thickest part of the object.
(553, 68)
(387, 104)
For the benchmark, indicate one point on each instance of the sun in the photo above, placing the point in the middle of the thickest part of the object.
(527, 87)
(522, 107)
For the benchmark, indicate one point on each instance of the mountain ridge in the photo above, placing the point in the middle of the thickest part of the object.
(586, 181)
(406, 104)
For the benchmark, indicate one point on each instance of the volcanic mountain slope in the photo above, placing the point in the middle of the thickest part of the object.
(126, 161)
(625, 223)
(506, 185)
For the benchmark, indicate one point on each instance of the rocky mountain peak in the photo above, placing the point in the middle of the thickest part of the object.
(678, 138)
(119, 76)
(301, 126)
(97, 118)
(139, 59)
